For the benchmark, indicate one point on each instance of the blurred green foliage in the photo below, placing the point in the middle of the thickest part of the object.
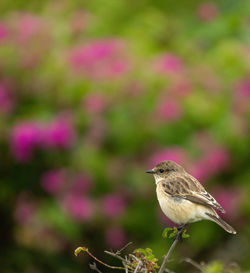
(91, 95)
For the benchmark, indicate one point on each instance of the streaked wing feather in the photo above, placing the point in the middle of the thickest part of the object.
(205, 199)
(187, 187)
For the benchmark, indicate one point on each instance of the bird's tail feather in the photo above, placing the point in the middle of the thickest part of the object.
(222, 223)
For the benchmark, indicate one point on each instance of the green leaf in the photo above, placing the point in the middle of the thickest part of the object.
(185, 235)
(141, 251)
(149, 251)
(174, 233)
(79, 249)
(165, 232)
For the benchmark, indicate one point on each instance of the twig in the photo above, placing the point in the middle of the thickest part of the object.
(94, 267)
(114, 255)
(119, 251)
(79, 249)
(139, 262)
(163, 266)
(125, 267)
(169, 271)
(193, 263)
(177, 238)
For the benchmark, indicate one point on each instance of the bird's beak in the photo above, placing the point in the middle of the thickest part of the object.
(150, 171)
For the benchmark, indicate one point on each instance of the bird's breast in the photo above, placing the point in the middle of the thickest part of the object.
(177, 209)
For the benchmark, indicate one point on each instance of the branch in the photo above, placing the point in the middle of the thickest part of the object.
(114, 255)
(178, 237)
(119, 251)
(193, 263)
(163, 266)
(94, 267)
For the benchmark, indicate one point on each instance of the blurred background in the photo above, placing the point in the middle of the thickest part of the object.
(92, 94)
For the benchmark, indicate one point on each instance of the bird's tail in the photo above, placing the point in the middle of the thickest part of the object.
(222, 223)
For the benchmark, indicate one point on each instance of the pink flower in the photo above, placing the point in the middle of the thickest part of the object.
(207, 11)
(113, 205)
(213, 161)
(229, 199)
(78, 207)
(25, 137)
(243, 88)
(6, 100)
(200, 170)
(115, 237)
(94, 103)
(59, 133)
(3, 31)
(217, 159)
(100, 60)
(81, 183)
(28, 26)
(169, 64)
(53, 180)
(169, 109)
(176, 154)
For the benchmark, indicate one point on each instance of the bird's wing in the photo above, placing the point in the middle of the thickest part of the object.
(187, 187)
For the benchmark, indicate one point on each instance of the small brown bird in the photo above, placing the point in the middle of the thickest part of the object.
(182, 198)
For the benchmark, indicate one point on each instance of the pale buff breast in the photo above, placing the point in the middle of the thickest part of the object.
(179, 210)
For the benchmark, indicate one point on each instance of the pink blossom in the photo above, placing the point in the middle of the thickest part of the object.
(3, 31)
(169, 109)
(200, 170)
(217, 159)
(229, 199)
(243, 88)
(212, 162)
(207, 11)
(25, 137)
(115, 237)
(78, 207)
(25, 209)
(80, 184)
(94, 103)
(59, 133)
(176, 154)
(6, 100)
(100, 59)
(28, 26)
(169, 64)
(53, 180)
(113, 205)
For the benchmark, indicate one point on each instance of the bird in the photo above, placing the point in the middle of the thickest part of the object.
(183, 199)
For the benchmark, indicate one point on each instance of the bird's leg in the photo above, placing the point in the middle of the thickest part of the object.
(180, 229)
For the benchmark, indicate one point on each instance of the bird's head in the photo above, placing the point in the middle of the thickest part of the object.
(161, 170)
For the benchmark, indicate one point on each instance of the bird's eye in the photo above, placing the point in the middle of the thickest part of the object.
(161, 171)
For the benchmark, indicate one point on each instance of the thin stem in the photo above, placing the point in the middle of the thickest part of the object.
(177, 238)
(94, 267)
(163, 266)
(193, 263)
(114, 255)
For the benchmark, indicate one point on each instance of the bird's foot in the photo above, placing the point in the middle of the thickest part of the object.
(180, 229)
